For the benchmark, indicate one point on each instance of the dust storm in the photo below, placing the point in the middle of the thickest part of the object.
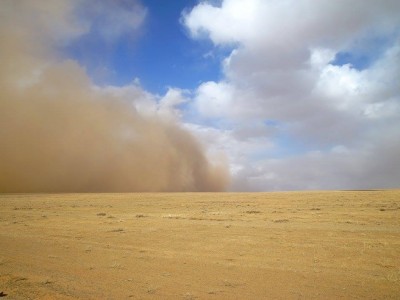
(60, 132)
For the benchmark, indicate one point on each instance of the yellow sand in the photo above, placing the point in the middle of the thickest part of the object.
(297, 245)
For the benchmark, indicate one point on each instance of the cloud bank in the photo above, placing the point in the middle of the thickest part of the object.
(310, 97)
(61, 133)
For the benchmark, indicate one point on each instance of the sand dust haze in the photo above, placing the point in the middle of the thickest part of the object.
(61, 133)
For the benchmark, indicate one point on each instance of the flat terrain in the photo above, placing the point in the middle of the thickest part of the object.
(298, 245)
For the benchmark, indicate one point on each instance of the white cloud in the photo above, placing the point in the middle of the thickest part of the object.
(143, 102)
(214, 99)
(339, 168)
(219, 142)
(167, 107)
(169, 104)
(228, 24)
(290, 23)
(282, 70)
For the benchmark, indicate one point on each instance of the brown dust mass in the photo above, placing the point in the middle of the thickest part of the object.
(59, 133)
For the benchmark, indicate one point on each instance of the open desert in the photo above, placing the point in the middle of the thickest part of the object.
(282, 245)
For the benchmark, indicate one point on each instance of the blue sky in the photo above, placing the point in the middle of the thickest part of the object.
(264, 85)
(291, 94)
(366, 51)
(160, 54)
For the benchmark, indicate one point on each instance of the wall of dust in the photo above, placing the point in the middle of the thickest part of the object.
(59, 133)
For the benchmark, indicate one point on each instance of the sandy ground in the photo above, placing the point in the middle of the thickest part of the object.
(306, 245)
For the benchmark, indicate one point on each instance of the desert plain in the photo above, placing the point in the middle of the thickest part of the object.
(278, 245)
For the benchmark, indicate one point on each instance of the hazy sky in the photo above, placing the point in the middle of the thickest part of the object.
(291, 94)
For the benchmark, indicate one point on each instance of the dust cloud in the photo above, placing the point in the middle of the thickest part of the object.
(61, 133)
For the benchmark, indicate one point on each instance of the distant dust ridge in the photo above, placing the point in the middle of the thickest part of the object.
(61, 133)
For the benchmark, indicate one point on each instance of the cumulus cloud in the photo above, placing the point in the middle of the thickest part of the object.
(59, 132)
(338, 168)
(284, 73)
(271, 23)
